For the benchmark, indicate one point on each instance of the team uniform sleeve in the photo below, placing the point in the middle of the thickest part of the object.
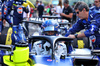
(94, 18)
(76, 28)
(94, 27)
(9, 5)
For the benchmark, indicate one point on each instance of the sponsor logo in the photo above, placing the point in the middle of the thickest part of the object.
(20, 10)
(93, 38)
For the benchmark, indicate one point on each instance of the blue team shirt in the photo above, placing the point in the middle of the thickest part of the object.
(18, 11)
(92, 26)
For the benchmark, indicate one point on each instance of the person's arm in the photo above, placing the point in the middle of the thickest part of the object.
(75, 28)
(9, 5)
(94, 28)
(7, 18)
(26, 9)
(77, 36)
(91, 31)
(35, 8)
(43, 8)
(28, 13)
(67, 16)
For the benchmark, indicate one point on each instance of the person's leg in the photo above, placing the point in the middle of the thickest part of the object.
(21, 34)
(40, 16)
(15, 37)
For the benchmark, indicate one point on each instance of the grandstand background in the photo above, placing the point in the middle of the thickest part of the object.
(55, 2)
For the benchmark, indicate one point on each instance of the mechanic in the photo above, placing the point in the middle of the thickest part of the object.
(50, 28)
(4, 15)
(89, 20)
(18, 9)
(67, 12)
(96, 5)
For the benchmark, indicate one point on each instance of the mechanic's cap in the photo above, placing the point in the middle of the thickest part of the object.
(50, 25)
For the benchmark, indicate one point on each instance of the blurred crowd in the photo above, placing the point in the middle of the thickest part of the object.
(61, 10)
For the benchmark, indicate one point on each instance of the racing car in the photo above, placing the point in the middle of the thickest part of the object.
(21, 55)
(76, 57)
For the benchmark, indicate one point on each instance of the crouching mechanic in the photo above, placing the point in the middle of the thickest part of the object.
(50, 28)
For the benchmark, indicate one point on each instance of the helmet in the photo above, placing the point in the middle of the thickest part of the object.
(50, 25)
